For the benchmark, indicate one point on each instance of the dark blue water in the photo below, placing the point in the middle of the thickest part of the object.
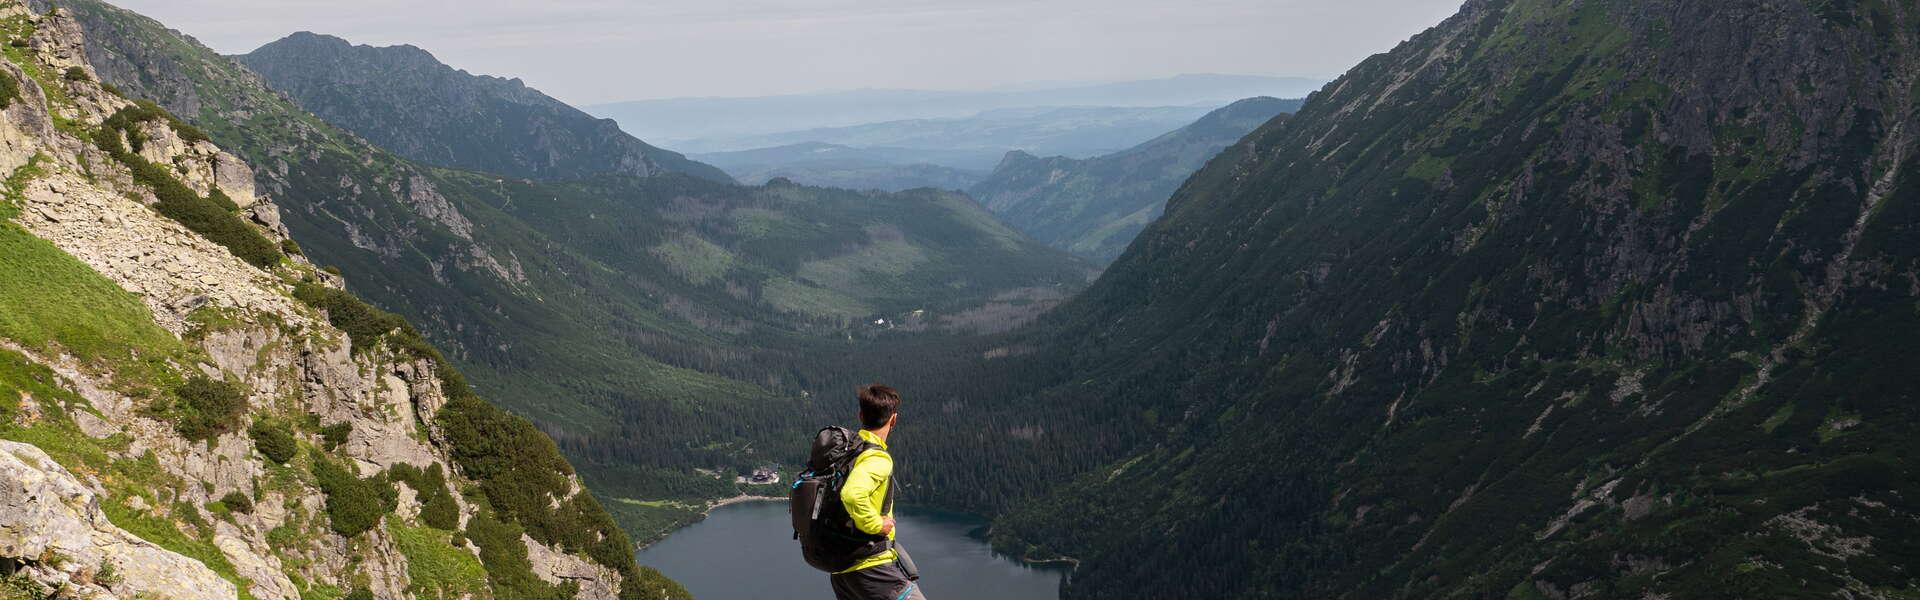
(746, 552)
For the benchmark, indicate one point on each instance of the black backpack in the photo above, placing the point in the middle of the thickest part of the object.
(828, 539)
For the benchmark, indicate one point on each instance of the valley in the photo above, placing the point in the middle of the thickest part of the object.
(1554, 299)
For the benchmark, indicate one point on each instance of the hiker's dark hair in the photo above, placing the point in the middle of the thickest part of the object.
(877, 403)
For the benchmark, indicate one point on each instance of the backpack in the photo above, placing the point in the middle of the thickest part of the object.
(828, 539)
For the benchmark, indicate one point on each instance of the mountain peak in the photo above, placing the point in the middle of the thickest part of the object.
(308, 45)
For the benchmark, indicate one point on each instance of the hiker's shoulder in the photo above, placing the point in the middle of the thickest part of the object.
(875, 455)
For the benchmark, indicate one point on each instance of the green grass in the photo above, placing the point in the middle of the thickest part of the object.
(874, 265)
(696, 259)
(1429, 168)
(49, 299)
(791, 296)
(438, 569)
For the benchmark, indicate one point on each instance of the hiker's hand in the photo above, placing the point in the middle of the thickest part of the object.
(886, 527)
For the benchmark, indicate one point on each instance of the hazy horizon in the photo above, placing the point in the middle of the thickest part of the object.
(601, 51)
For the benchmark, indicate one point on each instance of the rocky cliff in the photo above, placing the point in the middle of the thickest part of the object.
(190, 409)
(405, 100)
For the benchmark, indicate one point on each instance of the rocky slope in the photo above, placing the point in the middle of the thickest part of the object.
(1559, 299)
(190, 409)
(403, 99)
(1093, 207)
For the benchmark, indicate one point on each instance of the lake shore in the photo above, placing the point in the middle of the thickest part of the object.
(747, 552)
(736, 500)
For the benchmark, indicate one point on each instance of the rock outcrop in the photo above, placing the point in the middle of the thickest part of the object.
(51, 525)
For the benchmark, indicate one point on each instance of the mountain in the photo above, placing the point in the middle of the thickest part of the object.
(401, 98)
(833, 165)
(683, 119)
(1599, 299)
(191, 409)
(1093, 207)
(1075, 130)
(648, 324)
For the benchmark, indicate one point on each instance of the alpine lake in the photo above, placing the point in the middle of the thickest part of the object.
(746, 551)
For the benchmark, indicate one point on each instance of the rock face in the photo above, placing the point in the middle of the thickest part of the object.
(1094, 207)
(177, 422)
(404, 100)
(52, 523)
(1559, 299)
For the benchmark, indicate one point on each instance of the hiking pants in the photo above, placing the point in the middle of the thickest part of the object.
(878, 582)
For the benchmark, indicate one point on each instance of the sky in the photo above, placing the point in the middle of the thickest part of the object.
(595, 51)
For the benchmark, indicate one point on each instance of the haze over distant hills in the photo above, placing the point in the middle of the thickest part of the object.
(1078, 131)
(834, 165)
(675, 121)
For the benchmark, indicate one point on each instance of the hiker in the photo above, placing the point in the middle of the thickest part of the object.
(882, 576)
(842, 507)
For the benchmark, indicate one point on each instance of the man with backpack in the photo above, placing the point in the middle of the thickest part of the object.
(843, 507)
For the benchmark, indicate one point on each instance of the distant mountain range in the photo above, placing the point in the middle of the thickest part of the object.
(405, 100)
(1078, 131)
(1094, 207)
(680, 120)
(834, 165)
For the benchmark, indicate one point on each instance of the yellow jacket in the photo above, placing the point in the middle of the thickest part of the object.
(866, 492)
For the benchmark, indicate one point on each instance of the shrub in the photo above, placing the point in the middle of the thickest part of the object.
(212, 217)
(364, 324)
(522, 474)
(275, 441)
(208, 408)
(505, 556)
(77, 73)
(222, 200)
(437, 507)
(107, 575)
(290, 247)
(354, 504)
(9, 89)
(336, 434)
(238, 502)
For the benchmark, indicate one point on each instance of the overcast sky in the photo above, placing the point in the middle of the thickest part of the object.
(591, 51)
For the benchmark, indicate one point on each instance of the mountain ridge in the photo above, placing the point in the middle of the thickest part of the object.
(1093, 207)
(674, 119)
(404, 99)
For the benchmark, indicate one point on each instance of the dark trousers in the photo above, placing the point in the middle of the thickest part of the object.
(880, 582)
